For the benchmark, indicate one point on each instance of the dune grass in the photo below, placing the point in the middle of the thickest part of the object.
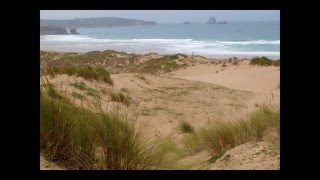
(79, 138)
(221, 136)
(85, 71)
(191, 143)
(224, 135)
(79, 85)
(120, 97)
(276, 63)
(78, 95)
(264, 61)
(164, 64)
(186, 127)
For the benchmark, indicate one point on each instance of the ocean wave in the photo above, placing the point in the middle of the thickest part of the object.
(65, 38)
(162, 40)
(74, 38)
(229, 52)
(253, 42)
(162, 45)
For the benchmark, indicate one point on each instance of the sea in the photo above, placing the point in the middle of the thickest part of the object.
(239, 39)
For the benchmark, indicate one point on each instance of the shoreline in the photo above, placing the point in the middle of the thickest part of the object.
(210, 57)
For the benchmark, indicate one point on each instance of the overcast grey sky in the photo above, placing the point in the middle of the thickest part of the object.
(167, 16)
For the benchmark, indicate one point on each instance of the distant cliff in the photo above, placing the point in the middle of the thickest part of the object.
(95, 22)
(52, 30)
(56, 30)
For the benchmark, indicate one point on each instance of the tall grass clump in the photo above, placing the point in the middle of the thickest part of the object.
(65, 133)
(85, 71)
(120, 97)
(186, 127)
(53, 93)
(264, 61)
(79, 138)
(192, 143)
(224, 135)
(51, 71)
(276, 63)
(79, 85)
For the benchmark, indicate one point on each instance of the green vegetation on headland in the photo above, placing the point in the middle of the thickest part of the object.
(263, 61)
(95, 22)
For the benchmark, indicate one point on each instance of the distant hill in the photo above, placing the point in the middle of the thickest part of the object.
(95, 22)
(56, 29)
(52, 30)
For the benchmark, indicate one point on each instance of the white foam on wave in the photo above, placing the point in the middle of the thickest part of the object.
(82, 38)
(157, 45)
(275, 42)
(228, 52)
(65, 38)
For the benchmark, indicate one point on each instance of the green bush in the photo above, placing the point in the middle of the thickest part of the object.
(276, 63)
(165, 64)
(263, 61)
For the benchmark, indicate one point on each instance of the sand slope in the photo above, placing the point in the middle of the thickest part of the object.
(263, 81)
(161, 103)
(249, 156)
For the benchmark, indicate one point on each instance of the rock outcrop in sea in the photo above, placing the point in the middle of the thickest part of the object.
(187, 22)
(73, 31)
(212, 20)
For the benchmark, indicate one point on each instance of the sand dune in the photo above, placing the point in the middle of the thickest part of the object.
(263, 81)
(199, 93)
(243, 76)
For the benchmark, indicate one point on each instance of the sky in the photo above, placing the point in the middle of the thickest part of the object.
(167, 16)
